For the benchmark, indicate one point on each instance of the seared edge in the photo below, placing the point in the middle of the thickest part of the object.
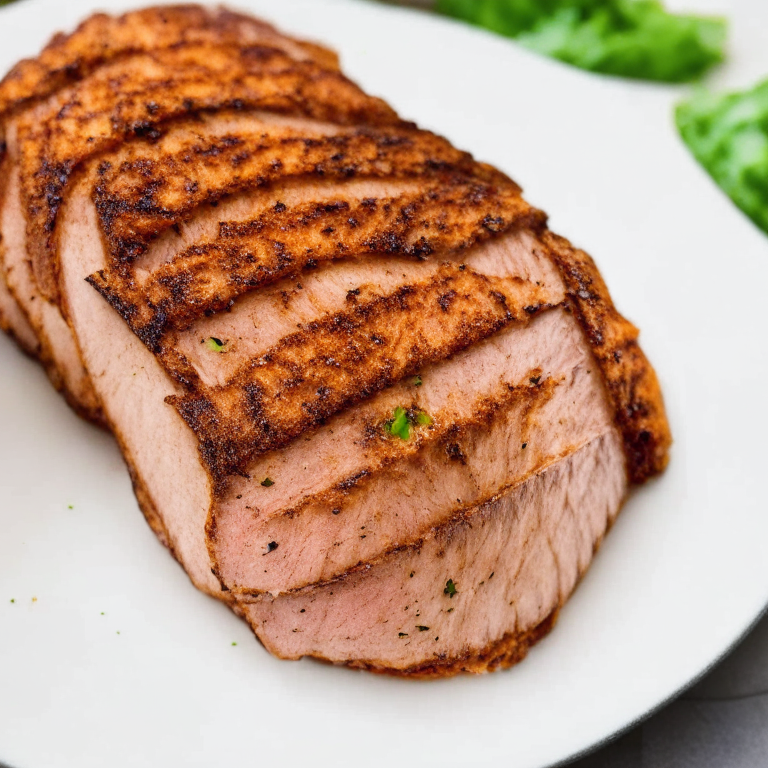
(452, 213)
(630, 380)
(155, 88)
(502, 654)
(142, 189)
(101, 38)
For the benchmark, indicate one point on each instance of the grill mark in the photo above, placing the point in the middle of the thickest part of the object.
(155, 88)
(629, 378)
(343, 359)
(139, 198)
(207, 278)
(102, 39)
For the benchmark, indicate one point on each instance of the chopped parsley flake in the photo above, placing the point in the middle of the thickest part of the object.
(214, 344)
(70, 506)
(402, 634)
(267, 482)
(535, 380)
(422, 628)
(272, 546)
(13, 600)
(417, 382)
(450, 588)
(403, 421)
(234, 643)
(399, 425)
(525, 445)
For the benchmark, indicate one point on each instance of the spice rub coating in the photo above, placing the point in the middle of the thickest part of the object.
(309, 301)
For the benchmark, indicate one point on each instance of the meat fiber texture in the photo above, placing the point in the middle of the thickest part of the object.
(365, 396)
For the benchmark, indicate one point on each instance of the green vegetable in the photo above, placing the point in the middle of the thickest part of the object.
(629, 38)
(450, 588)
(267, 482)
(417, 382)
(215, 345)
(728, 135)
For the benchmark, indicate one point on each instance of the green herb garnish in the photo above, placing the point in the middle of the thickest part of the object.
(421, 628)
(417, 382)
(267, 482)
(728, 135)
(628, 38)
(234, 643)
(214, 344)
(399, 425)
(402, 634)
(450, 588)
(403, 421)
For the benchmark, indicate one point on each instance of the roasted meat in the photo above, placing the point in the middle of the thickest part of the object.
(366, 397)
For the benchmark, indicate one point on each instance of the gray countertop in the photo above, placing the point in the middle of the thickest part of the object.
(721, 722)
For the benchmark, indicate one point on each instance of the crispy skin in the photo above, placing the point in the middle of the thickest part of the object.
(629, 378)
(102, 38)
(156, 87)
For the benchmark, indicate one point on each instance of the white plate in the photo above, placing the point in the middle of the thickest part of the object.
(120, 662)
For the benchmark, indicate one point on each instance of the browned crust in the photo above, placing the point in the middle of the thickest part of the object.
(155, 88)
(500, 654)
(451, 213)
(630, 380)
(143, 189)
(102, 38)
(340, 361)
